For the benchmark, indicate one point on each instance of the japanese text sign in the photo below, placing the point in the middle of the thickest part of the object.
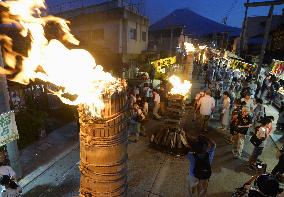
(8, 128)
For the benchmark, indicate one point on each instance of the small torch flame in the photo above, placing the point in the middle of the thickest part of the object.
(201, 47)
(189, 47)
(73, 70)
(179, 87)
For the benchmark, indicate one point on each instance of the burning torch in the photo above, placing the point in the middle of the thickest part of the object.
(100, 97)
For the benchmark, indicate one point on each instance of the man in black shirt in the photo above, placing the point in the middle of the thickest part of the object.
(244, 122)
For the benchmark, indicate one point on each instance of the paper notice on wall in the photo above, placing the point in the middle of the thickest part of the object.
(8, 128)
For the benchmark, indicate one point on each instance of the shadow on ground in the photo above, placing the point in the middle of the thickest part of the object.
(52, 190)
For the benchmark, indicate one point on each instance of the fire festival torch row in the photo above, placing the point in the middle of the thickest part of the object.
(100, 97)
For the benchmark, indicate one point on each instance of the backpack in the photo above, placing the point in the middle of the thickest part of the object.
(202, 169)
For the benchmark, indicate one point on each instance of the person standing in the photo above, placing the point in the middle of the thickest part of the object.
(200, 158)
(274, 87)
(152, 73)
(218, 91)
(238, 88)
(135, 123)
(253, 87)
(265, 87)
(197, 98)
(163, 98)
(262, 133)
(244, 123)
(206, 105)
(225, 114)
(157, 100)
(132, 99)
(258, 112)
(258, 87)
(249, 103)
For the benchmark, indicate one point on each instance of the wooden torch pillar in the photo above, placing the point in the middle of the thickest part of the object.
(103, 150)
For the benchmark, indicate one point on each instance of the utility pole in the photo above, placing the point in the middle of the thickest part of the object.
(12, 147)
(242, 37)
(266, 34)
(171, 42)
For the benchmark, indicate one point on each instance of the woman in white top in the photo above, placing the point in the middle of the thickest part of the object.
(225, 111)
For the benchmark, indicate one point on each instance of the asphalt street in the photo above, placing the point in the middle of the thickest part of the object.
(153, 173)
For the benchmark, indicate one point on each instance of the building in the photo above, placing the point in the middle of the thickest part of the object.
(115, 32)
(165, 34)
(254, 34)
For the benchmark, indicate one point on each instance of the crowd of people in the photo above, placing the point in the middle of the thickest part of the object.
(237, 100)
(144, 102)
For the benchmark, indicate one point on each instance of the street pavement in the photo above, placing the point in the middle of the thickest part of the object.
(150, 172)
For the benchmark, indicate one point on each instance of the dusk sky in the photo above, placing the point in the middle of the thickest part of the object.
(213, 9)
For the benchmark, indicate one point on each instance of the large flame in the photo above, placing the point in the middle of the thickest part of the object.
(73, 70)
(179, 87)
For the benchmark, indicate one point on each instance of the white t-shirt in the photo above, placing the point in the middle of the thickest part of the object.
(207, 103)
(262, 133)
(249, 104)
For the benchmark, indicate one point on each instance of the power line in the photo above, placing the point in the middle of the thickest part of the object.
(233, 5)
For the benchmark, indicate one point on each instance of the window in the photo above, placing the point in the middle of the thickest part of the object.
(98, 34)
(144, 36)
(133, 34)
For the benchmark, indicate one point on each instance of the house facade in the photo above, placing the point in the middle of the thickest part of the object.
(114, 33)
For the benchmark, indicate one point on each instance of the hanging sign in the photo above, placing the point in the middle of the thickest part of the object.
(278, 68)
(243, 66)
(161, 64)
(164, 62)
(8, 128)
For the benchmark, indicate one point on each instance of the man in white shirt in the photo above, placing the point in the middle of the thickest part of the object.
(249, 104)
(156, 108)
(206, 105)
(252, 86)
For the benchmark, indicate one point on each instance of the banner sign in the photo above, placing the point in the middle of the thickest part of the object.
(161, 64)
(164, 62)
(243, 66)
(8, 128)
(278, 68)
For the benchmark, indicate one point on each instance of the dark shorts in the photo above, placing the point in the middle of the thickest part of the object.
(257, 151)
